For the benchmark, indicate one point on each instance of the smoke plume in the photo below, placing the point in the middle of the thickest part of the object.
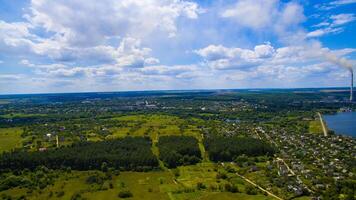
(342, 62)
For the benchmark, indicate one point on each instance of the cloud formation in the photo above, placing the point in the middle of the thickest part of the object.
(333, 25)
(334, 4)
(285, 63)
(281, 18)
(168, 44)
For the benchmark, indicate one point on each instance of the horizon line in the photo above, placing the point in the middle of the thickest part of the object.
(172, 90)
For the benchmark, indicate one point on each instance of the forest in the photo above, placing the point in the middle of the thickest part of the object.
(229, 148)
(129, 153)
(179, 150)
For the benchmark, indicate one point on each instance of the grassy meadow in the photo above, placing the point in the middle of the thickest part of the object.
(315, 127)
(160, 185)
(153, 126)
(10, 138)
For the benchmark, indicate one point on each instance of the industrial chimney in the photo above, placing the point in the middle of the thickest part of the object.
(352, 85)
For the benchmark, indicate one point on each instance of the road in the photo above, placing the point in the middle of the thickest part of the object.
(259, 187)
(293, 173)
(323, 125)
(280, 159)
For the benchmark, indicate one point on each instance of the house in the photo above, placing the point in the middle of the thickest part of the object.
(42, 149)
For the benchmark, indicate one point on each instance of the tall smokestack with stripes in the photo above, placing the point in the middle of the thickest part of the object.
(352, 85)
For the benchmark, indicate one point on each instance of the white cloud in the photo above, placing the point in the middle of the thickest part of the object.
(334, 4)
(174, 70)
(281, 18)
(324, 31)
(88, 31)
(92, 22)
(342, 2)
(220, 57)
(26, 63)
(253, 14)
(15, 37)
(341, 19)
(290, 63)
(10, 77)
(138, 44)
(333, 25)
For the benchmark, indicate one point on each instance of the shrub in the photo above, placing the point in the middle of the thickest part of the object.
(221, 175)
(201, 186)
(125, 194)
(250, 190)
(94, 179)
(60, 193)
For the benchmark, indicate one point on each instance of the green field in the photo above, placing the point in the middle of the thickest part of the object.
(229, 196)
(21, 115)
(4, 101)
(315, 127)
(10, 138)
(153, 126)
(143, 185)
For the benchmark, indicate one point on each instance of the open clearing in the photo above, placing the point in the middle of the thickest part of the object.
(10, 138)
(315, 127)
(153, 126)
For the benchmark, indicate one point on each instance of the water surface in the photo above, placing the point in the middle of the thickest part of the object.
(342, 123)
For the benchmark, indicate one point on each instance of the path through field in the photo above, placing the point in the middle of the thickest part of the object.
(259, 187)
(323, 125)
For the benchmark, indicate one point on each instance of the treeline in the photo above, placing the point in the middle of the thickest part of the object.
(179, 150)
(129, 153)
(229, 148)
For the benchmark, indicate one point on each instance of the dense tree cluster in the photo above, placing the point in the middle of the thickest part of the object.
(179, 150)
(130, 153)
(229, 148)
(39, 178)
(347, 188)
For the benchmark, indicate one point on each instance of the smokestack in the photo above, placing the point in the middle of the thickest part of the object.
(352, 86)
(342, 62)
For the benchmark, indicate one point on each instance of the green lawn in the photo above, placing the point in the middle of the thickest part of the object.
(10, 138)
(315, 127)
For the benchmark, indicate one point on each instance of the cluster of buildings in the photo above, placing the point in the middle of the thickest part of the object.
(314, 160)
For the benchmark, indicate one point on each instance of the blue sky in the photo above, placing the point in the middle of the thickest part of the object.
(84, 45)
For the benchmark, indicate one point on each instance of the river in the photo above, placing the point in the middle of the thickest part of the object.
(342, 123)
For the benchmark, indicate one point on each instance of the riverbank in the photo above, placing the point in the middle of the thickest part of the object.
(342, 123)
(325, 131)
